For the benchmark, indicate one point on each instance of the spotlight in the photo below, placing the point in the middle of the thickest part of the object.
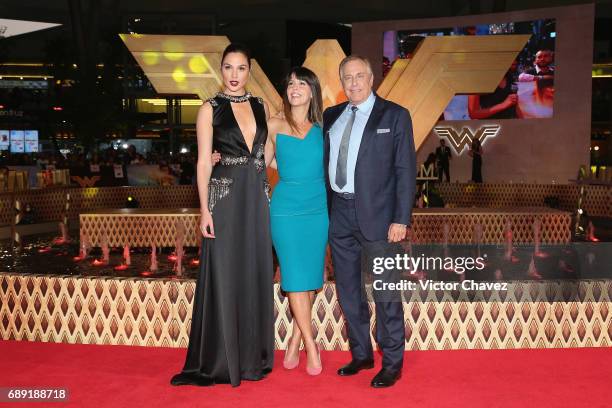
(184, 150)
(131, 202)
(125, 145)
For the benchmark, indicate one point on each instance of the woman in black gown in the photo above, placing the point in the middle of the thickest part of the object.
(232, 326)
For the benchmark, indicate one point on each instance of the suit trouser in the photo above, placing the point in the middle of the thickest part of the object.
(346, 243)
(444, 169)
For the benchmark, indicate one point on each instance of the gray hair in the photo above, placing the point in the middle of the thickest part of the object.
(354, 57)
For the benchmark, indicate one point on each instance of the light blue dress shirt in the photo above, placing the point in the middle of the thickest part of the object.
(335, 136)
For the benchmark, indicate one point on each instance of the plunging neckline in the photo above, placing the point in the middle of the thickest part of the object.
(299, 138)
(244, 141)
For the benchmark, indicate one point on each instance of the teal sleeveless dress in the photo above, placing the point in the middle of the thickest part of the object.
(298, 210)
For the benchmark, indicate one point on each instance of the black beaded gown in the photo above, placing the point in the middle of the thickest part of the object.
(232, 326)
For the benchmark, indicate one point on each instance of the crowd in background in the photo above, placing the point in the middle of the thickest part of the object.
(179, 168)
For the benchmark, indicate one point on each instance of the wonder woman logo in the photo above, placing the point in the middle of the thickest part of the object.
(459, 140)
(86, 181)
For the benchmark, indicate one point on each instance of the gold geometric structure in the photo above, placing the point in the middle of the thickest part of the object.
(157, 313)
(323, 57)
(428, 225)
(443, 67)
(597, 202)
(191, 64)
(48, 203)
(142, 228)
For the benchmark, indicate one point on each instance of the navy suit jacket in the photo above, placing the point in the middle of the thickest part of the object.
(385, 173)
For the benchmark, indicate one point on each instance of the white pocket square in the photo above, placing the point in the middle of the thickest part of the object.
(379, 131)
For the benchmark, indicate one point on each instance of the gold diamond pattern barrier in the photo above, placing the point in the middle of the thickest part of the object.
(157, 312)
(48, 204)
(428, 225)
(141, 228)
(597, 200)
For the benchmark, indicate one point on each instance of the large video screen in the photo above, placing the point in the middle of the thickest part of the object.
(31, 141)
(17, 141)
(5, 140)
(526, 90)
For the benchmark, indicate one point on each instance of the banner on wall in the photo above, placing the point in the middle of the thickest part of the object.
(526, 91)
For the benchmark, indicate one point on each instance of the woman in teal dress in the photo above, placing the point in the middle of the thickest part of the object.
(298, 210)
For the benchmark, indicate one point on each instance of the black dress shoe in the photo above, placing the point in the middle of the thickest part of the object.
(355, 366)
(385, 378)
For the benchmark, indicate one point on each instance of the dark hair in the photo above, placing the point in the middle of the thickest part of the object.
(315, 111)
(237, 47)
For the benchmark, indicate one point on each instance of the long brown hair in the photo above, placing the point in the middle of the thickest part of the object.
(315, 110)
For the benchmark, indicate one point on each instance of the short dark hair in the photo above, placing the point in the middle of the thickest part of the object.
(237, 47)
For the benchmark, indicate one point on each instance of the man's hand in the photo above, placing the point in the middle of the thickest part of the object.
(397, 232)
(215, 158)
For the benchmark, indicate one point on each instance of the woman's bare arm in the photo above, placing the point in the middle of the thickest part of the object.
(204, 165)
(273, 124)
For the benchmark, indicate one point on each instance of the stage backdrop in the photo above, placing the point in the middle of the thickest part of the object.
(540, 150)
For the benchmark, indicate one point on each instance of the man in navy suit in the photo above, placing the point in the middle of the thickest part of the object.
(371, 176)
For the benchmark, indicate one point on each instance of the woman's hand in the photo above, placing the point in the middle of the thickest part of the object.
(215, 158)
(206, 225)
(511, 100)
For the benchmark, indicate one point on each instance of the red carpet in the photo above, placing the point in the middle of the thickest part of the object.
(121, 376)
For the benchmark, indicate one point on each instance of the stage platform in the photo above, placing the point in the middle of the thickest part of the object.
(145, 227)
(157, 312)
